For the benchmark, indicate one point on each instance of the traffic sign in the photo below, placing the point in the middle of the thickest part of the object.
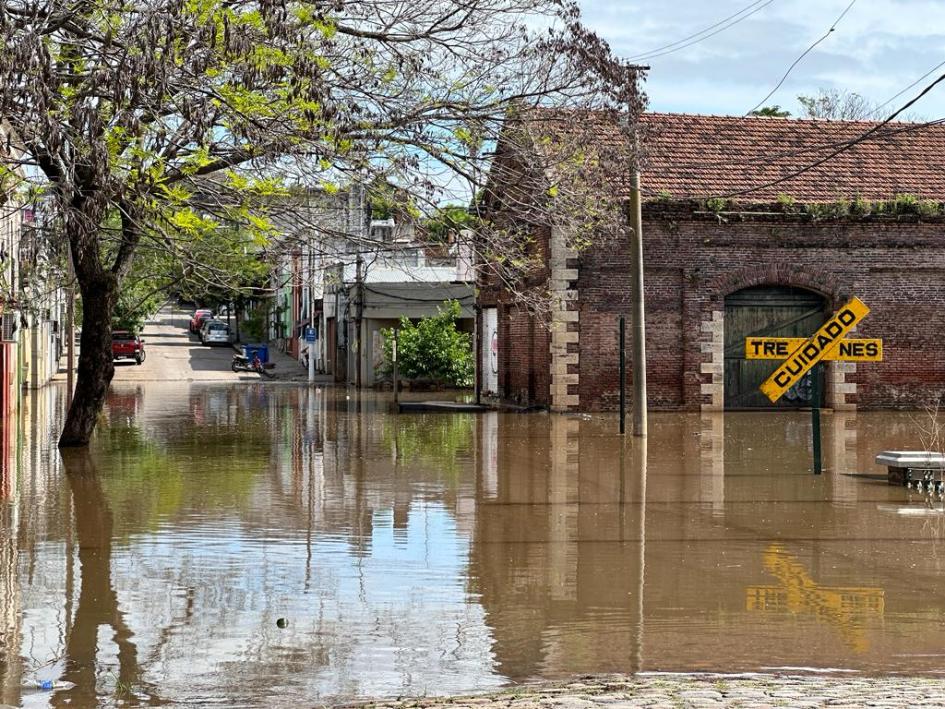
(814, 349)
(848, 350)
(310, 334)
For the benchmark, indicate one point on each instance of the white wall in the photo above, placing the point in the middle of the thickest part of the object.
(489, 352)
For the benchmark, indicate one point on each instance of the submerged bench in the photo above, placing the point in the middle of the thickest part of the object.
(909, 466)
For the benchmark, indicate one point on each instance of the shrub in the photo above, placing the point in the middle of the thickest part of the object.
(254, 327)
(787, 203)
(716, 204)
(860, 207)
(432, 348)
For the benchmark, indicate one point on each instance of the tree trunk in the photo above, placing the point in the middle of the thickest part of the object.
(96, 368)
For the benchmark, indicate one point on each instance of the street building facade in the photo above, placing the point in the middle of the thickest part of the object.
(10, 219)
(343, 273)
(396, 274)
(746, 233)
(44, 294)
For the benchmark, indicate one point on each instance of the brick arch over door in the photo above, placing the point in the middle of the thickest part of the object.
(712, 335)
(820, 282)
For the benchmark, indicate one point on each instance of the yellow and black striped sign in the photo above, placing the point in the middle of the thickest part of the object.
(848, 350)
(814, 349)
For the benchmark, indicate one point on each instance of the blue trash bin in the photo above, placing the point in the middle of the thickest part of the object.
(260, 349)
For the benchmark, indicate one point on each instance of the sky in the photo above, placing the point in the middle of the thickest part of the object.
(877, 49)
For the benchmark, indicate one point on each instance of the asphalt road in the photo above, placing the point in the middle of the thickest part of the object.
(173, 354)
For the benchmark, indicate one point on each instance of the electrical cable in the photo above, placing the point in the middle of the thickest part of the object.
(843, 148)
(893, 98)
(415, 300)
(673, 46)
(798, 60)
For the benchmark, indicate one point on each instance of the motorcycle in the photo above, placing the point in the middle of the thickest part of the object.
(241, 363)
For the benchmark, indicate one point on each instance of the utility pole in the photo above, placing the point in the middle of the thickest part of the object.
(359, 314)
(309, 342)
(637, 323)
(396, 372)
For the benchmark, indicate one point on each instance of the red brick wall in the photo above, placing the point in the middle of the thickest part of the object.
(524, 338)
(694, 260)
(524, 357)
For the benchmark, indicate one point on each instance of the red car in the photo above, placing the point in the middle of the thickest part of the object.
(196, 322)
(127, 346)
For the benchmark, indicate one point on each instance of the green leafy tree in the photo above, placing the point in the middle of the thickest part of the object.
(182, 116)
(433, 348)
(771, 112)
(448, 221)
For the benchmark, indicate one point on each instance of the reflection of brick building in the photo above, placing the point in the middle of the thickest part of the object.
(717, 269)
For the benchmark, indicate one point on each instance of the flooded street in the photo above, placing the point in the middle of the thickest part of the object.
(245, 544)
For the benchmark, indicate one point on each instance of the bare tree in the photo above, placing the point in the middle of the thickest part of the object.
(127, 110)
(837, 105)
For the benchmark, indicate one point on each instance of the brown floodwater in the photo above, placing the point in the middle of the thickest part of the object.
(257, 545)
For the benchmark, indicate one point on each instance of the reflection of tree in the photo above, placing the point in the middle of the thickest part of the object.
(98, 602)
(438, 439)
(146, 481)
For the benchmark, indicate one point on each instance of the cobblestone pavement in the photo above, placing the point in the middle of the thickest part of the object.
(753, 691)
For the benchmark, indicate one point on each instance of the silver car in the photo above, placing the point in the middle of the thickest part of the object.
(215, 332)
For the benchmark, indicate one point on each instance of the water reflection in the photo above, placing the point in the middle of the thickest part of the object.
(796, 592)
(443, 553)
(97, 606)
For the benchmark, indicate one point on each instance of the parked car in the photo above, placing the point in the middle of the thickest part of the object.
(198, 319)
(214, 332)
(126, 345)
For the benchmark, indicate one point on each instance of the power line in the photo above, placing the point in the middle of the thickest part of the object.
(461, 298)
(803, 54)
(697, 37)
(843, 148)
(893, 98)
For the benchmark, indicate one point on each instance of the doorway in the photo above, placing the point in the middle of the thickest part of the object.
(768, 311)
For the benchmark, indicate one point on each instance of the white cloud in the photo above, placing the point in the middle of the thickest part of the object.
(880, 47)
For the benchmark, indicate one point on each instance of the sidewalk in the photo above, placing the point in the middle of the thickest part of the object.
(288, 369)
(750, 691)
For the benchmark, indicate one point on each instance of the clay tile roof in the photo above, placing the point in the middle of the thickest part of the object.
(693, 156)
(699, 156)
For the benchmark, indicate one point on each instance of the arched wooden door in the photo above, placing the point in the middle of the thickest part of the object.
(767, 311)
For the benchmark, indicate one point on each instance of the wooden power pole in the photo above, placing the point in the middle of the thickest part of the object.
(637, 322)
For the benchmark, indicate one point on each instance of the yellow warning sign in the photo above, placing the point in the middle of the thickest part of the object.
(814, 348)
(848, 350)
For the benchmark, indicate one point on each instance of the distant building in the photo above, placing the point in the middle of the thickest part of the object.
(395, 274)
(751, 226)
(43, 297)
(349, 274)
(10, 316)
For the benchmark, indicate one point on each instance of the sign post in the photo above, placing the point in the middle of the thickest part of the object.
(310, 341)
(815, 417)
(802, 356)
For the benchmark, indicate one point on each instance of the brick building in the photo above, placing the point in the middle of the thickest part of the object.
(775, 260)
